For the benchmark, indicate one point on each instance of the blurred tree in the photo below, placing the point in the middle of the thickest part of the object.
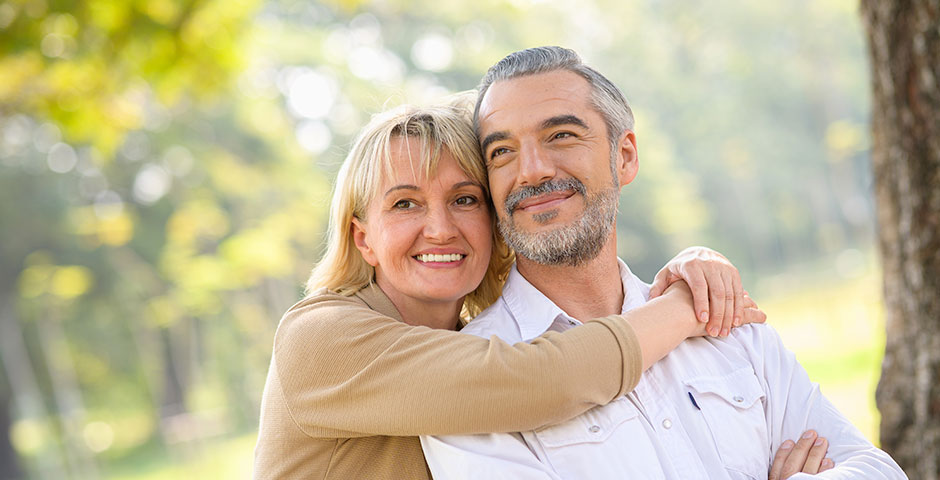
(904, 42)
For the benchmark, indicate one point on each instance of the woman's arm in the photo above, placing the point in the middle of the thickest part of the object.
(659, 335)
(345, 370)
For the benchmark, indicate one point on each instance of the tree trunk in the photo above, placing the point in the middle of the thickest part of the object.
(904, 44)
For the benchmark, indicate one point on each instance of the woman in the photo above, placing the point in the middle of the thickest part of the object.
(357, 374)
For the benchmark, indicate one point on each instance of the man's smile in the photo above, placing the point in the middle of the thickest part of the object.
(544, 202)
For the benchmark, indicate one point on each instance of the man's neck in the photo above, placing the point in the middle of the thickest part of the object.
(590, 290)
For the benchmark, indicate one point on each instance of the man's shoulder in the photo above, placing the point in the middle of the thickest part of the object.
(497, 320)
(747, 345)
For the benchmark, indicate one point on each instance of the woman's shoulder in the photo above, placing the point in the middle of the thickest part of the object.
(329, 302)
(323, 311)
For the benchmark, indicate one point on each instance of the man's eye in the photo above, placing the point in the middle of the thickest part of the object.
(498, 151)
(467, 200)
(403, 204)
(560, 135)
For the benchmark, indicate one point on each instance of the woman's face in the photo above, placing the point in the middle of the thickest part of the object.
(429, 239)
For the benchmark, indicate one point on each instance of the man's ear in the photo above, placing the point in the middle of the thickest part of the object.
(628, 160)
(362, 242)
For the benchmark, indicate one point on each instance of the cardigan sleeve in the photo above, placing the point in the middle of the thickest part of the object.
(349, 371)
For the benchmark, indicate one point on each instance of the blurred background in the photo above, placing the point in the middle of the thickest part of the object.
(165, 169)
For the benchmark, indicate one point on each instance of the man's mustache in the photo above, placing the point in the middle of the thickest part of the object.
(518, 195)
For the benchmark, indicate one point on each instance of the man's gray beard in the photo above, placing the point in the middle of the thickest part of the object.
(569, 245)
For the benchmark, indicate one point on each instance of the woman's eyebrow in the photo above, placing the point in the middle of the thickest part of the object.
(467, 183)
(401, 187)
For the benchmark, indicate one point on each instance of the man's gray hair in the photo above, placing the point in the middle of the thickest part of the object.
(606, 98)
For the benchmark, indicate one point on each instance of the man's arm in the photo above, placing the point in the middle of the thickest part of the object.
(795, 404)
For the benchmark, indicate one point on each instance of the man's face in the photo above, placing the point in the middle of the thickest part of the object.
(553, 177)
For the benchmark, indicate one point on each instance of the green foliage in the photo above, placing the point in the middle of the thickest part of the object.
(165, 169)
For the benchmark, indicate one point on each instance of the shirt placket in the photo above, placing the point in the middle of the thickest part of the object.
(676, 453)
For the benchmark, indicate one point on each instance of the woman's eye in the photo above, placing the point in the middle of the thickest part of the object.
(466, 200)
(403, 204)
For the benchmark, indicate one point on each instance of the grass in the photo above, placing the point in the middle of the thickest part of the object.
(835, 327)
(225, 458)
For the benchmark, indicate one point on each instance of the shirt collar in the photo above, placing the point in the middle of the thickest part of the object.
(534, 313)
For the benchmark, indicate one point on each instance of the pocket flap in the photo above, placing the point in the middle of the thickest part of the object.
(739, 388)
(594, 425)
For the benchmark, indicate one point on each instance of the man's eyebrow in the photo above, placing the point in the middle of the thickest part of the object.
(564, 120)
(493, 137)
(400, 187)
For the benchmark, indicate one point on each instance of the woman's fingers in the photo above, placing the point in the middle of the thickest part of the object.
(660, 282)
(816, 454)
(716, 303)
(738, 297)
(728, 320)
(700, 287)
(754, 315)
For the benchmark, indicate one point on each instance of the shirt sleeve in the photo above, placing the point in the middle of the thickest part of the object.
(492, 456)
(348, 371)
(795, 404)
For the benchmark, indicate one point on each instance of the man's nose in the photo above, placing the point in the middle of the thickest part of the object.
(440, 226)
(534, 165)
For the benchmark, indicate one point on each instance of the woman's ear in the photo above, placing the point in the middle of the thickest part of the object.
(360, 238)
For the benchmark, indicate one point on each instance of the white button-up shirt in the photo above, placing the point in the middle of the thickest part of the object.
(711, 409)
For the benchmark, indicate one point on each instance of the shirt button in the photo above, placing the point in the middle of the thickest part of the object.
(667, 424)
(595, 428)
(572, 322)
(738, 398)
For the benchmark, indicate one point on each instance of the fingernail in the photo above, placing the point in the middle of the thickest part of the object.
(827, 462)
(808, 434)
(786, 445)
(703, 317)
(818, 442)
(737, 321)
(713, 331)
(724, 333)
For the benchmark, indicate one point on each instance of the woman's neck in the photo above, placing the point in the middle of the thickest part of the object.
(433, 314)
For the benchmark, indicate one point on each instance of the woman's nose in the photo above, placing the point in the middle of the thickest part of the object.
(440, 226)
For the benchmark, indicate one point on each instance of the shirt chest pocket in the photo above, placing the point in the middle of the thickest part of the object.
(733, 409)
(608, 441)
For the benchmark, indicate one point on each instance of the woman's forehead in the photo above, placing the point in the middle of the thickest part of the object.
(415, 159)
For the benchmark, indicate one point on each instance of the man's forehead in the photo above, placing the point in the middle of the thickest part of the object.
(530, 97)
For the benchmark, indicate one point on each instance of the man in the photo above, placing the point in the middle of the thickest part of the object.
(558, 141)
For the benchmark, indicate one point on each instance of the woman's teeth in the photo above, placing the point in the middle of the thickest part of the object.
(429, 257)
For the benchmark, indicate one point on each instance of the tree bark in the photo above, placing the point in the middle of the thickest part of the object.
(904, 47)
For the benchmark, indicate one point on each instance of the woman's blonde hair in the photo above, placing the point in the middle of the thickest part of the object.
(342, 268)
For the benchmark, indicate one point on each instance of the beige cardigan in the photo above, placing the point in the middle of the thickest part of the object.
(350, 386)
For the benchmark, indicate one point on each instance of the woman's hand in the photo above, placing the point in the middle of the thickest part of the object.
(749, 314)
(717, 294)
(807, 456)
